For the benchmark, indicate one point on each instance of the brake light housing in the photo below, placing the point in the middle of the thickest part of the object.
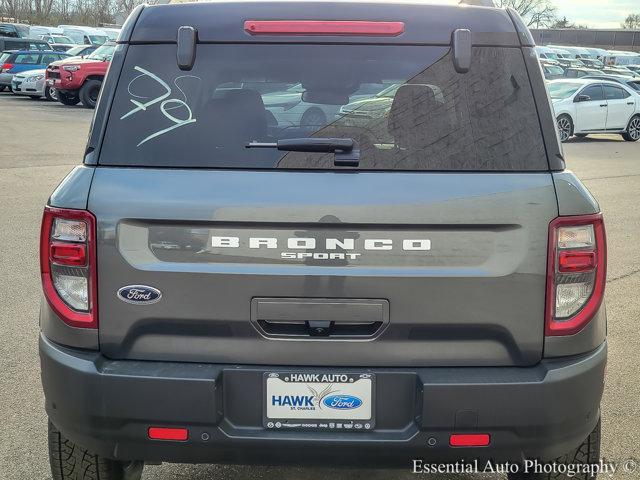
(6, 67)
(576, 273)
(324, 27)
(68, 265)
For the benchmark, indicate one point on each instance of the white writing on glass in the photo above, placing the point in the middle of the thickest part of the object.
(166, 104)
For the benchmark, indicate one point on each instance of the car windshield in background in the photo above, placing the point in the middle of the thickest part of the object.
(75, 50)
(405, 107)
(563, 90)
(62, 40)
(635, 85)
(98, 39)
(103, 53)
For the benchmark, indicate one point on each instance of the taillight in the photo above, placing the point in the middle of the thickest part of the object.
(323, 27)
(576, 272)
(68, 265)
(6, 67)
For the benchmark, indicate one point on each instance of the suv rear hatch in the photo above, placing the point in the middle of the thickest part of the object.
(431, 251)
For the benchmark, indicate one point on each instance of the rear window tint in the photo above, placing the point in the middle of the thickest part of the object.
(405, 106)
(27, 58)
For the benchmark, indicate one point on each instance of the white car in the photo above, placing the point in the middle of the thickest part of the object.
(32, 84)
(585, 106)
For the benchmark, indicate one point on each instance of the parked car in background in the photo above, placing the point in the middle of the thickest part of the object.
(12, 43)
(580, 72)
(586, 106)
(623, 58)
(79, 79)
(598, 53)
(593, 63)
(632, 83)
(573, 52)
(570, 62)
(82, 50)
(546, 53)
(32, 83)
(551, 71)
(112, 33)
(14, 30)
(291, 107)
(58, 42)
(619, 70)
(634, 68)
(85, 35)
(12, 62)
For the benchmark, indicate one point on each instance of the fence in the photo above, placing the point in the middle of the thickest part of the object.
(608, 39)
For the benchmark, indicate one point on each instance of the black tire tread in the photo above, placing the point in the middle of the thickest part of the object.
(588, 452)
(72, 462)
(85, 90)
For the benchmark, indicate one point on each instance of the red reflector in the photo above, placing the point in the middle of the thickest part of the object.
(576, 261)
(68, 253)
(473, 440)
(175, 434)
(315, 27)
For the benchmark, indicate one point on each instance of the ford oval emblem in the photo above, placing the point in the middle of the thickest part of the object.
(139, 294)
(342, 402)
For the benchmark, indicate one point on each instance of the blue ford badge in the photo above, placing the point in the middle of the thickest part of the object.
(342, 402)
(139, 294)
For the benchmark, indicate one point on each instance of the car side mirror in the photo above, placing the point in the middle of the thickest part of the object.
(582, 98)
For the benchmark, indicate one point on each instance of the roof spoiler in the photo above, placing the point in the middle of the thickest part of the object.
(478, 3)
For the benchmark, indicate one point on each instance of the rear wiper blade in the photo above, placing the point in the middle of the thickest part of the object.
(347, 154)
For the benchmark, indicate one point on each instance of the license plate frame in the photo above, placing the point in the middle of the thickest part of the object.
(343, 401)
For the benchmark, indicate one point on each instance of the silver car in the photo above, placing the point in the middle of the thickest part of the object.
(32, 84)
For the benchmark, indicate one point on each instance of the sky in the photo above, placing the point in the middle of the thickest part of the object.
(597, 13)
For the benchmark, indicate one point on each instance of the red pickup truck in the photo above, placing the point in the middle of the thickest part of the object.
(78, 79)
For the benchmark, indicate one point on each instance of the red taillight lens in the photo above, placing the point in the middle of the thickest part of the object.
(315, 27)
(68, 254)
(576, 261)
(174, 434)
(68, 265)
(576, 272)
(470, 440)
(6, 67)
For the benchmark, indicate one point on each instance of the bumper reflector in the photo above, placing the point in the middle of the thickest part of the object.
(473, 440)
(174, 434)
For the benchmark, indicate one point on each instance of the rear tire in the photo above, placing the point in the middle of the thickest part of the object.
(565, 127)
(89, 93)
(67, 99)
(587, 453)
(633, 130)
(2, 87)
(71, 462)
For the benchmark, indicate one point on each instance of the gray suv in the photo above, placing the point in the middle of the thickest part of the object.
(414, 278)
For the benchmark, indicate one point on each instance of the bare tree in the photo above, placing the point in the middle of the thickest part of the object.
(632, 21)
(537, 13)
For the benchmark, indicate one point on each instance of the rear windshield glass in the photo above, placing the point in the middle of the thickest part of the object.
(404, 106)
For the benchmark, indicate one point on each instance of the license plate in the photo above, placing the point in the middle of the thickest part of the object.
(319, 401)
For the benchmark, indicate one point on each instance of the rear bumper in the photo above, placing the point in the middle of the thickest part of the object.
(5, 79)
(107, 406)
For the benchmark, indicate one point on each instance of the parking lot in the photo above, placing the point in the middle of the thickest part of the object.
(41, 141)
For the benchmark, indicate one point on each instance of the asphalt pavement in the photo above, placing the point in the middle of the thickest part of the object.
(41, 141)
